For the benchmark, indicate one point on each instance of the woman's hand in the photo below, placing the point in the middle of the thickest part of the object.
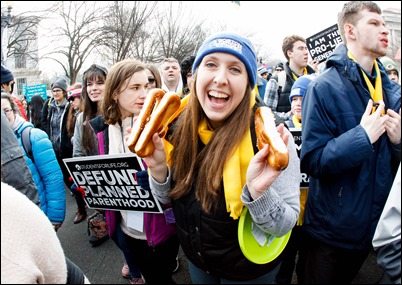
(260, 175)
(156, 161)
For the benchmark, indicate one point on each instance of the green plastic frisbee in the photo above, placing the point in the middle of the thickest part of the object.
(251, 249)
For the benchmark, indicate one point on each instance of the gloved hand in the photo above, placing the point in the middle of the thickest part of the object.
(74, 188)
(143, 179)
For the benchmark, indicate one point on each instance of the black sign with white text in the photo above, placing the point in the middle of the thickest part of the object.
(110, 182)
(322, 44)
(297, 136)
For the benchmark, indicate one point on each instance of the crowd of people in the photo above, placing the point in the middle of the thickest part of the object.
(334, 200)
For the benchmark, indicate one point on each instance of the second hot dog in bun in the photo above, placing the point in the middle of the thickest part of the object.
(266, 132)
(154, 117)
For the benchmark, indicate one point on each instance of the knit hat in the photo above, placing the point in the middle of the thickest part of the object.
(262, 70)
(279, 65)
(299, 87)
(74, 93)
(231, 43)
(6, 75)
(187, 64)
(388, 63)
(59, 83)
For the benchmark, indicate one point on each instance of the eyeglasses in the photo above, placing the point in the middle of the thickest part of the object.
(7, 110)
(151, 80)
(72, 98)
(57, 90)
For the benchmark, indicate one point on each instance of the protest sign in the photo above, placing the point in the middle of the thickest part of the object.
(30, 91)
(322, 44)
(297, 136)
(110, 182)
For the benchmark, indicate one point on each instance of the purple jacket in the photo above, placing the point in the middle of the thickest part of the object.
(155, 226)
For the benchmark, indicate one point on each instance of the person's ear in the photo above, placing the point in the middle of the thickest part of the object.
(349, 31)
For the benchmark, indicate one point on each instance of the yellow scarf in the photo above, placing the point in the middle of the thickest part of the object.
(296, 76)
(376, 93)
(235, 169)
(168, 146)
(296, 122)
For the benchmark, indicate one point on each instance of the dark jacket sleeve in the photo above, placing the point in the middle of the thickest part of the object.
(14, 169)
(389, 258)
(44, 113)
(74, 273)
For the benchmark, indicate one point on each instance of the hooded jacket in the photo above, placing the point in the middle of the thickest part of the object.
(46, 173)
(350, 178)
(64, 148)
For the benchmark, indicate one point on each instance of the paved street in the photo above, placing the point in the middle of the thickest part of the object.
(102, 264)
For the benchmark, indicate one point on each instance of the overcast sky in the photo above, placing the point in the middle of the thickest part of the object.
(267, 21)
(270, 21)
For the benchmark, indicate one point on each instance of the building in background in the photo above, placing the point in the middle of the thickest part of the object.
(24, 58)
(392, 17)
(26, 68)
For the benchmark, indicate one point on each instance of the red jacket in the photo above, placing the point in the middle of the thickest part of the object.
(21, 108)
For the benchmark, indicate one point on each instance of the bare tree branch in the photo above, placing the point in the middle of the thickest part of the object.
(79, 32)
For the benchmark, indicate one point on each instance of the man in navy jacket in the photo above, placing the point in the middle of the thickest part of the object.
(351, 146)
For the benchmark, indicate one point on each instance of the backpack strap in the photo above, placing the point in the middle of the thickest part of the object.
(26, 141)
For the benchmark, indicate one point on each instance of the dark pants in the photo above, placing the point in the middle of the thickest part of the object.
(80, 201)
(154, 262)
(294, 256)
(327, 264)
(119, 238)
(74, 273)
(64, 170)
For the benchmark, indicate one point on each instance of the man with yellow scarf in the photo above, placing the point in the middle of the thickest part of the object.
(214, 170)
(351, 146)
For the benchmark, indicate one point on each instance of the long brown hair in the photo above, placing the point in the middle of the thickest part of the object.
(205, 166)
(155, 71)
(90, 109)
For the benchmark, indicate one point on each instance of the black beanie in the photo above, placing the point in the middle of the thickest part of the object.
(6, 75)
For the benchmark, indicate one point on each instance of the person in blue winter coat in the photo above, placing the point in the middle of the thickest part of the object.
(351, 146)
(43, 165)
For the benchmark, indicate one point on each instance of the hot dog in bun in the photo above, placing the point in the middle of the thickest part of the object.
(266, 132)
(154, 117)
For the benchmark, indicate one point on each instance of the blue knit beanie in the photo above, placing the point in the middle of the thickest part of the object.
(234, 44)
(300, 86)
(6, 75)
